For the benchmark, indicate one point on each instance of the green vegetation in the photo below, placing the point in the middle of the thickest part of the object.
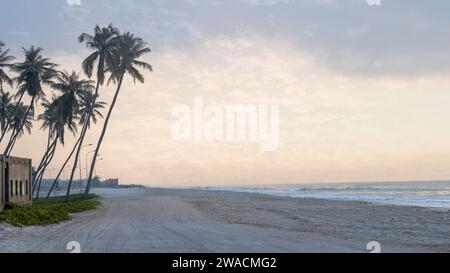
(48, 211)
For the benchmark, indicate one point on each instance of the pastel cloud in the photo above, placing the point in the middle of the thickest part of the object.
(358, 101)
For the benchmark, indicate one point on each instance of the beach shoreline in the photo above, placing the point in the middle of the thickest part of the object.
(154, 220)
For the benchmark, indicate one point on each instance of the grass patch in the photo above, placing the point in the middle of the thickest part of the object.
(48, 211)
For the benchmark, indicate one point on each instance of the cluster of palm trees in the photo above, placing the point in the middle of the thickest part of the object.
(74, 102)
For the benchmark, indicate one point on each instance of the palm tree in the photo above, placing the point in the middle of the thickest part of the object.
(51, 122)
(5, 62)
(85, 104)
(73, 89)
(22, 120)
(127, 51)
(55, 121)
(102, 44)
(6, 109)
(86, 101)
(33, 73)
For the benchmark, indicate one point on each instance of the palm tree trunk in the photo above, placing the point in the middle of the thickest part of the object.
(83, 134)
(43, 160)
(8, 123)
(43, 164)
(12, 141)
(45, 167)
(63, 167)
(43, 157)
(38, 179)
(105, 126)
(77, 155)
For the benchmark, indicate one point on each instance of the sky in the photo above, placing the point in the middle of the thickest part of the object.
(362, 86)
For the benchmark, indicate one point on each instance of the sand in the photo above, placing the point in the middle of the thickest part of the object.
(177, 220)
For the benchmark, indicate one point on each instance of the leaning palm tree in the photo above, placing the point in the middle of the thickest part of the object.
(73, 89)
(85, 105)
(5, 62)
(102, 44)
(55, 121)
(33, 73)
(126, 54)
(51, 121)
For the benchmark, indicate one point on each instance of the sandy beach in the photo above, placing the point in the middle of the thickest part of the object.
(178, 220)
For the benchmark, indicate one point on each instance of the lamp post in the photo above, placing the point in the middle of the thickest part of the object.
(95, 170)
(87, 155)
(79, 164)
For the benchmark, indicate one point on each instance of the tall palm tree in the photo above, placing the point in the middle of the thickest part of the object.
(85, 104)
(73, 89)
(55, 121)
(102, 44)
(5, 62)
(51, 122)
(33, 73)
(127, 52)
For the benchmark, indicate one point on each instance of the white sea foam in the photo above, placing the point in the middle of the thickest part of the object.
(426, 193)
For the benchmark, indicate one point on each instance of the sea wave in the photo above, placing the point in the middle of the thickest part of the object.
(427, 194)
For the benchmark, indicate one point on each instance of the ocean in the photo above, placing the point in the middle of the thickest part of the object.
(424, 193)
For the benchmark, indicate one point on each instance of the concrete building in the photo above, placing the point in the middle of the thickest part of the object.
(112, 182)
(15, 181)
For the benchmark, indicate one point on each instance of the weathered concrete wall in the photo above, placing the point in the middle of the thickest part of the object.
(16, 180)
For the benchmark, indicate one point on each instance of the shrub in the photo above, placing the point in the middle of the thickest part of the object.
(48, 211)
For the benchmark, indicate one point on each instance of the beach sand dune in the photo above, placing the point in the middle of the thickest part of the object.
(166, 220)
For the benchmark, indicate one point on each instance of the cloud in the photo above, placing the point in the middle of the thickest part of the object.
(362, 90)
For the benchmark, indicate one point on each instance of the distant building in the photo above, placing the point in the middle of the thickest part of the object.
(15, 181)
(111, 182)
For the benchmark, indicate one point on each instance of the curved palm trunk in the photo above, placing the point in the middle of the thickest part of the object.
(44, 163)
(77, 155)
(45, 168)
(10, 117)
(43, 158)
(41, 163)
(105, 126)
(63, 167)
(83, 134)
(12, 141)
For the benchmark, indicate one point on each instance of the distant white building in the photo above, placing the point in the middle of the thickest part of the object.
(111, 182)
